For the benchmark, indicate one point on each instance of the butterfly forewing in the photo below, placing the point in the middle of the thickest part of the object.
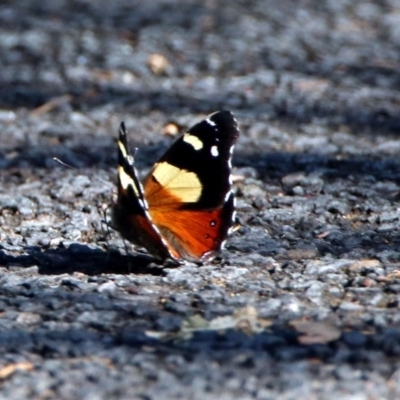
(189, 189)
(130, 214)
(196, 169)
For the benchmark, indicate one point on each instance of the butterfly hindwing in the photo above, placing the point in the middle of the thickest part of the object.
(196, 235)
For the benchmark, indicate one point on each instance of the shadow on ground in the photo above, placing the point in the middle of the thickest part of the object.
(81, 258)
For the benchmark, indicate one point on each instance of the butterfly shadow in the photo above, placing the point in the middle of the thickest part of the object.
(82, 258)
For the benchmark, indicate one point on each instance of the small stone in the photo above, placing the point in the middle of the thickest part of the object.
(28, 318)
(348, 306)
(107, 287)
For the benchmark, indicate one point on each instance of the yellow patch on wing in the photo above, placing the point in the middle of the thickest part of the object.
(126, 180)
(182, 184)
(122, 149)
(193, 141)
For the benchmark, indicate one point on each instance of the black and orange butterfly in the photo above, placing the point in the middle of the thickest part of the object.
(184, 208)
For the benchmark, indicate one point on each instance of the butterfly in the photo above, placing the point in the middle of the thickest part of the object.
(184, 208)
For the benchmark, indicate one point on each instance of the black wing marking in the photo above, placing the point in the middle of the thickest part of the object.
(206, 149)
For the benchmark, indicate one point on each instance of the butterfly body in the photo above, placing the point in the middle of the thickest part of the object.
(185, 206)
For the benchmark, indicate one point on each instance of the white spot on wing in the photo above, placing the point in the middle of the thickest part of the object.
(214, 151)
(209, 121)
(194, 141)
(228, 194)
(141, 203)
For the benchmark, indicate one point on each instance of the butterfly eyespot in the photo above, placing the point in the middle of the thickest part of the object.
(207, 236)
(213, 223)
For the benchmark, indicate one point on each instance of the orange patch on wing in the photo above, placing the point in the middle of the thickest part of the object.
(192, 233)
(151, 239)
(158, 196)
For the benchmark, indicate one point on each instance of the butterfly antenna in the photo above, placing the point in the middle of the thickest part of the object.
(76, 169)
(102, 212)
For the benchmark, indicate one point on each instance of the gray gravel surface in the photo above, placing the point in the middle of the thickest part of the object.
(304, 302)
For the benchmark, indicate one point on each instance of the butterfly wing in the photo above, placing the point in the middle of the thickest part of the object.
(130, 214)
(189, 190)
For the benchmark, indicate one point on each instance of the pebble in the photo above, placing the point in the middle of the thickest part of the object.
(107, 287)
(28, 318)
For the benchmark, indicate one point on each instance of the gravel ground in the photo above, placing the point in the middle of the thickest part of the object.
(304, 302)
